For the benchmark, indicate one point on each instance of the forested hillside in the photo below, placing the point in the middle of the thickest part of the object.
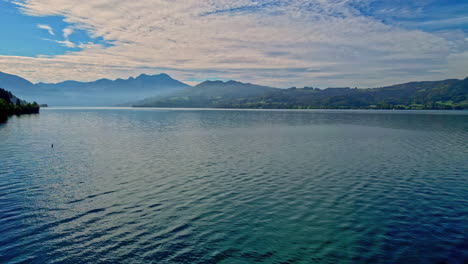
(10, 105)
(447, 94)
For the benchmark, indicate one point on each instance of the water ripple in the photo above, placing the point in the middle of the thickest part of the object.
(151, 186)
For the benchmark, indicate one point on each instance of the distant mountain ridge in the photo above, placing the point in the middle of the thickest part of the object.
(9, 80)
(207, 94)
(163, 91)
(446, 94)
(102, 92)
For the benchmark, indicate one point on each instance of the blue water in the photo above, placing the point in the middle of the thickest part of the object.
(215, 186)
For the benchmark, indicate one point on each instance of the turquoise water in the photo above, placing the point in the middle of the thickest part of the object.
(214, 186)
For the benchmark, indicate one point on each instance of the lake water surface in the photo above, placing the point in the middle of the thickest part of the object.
(232, 186)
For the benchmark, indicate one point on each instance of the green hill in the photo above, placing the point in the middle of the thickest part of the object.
(207, 94)
(447, 94)
(11, 105)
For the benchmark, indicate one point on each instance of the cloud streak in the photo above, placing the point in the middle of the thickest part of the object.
(46, 27)
(263, 42)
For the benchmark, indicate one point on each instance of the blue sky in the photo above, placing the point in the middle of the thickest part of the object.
(272, 42)
(22, 35)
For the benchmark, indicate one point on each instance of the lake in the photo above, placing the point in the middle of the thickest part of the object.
(124, 185)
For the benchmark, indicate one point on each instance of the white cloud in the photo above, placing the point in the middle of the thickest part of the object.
(281, 43)
(67, 43)
(67, 32)
(46, 27)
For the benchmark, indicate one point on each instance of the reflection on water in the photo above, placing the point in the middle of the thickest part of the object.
(203, 186)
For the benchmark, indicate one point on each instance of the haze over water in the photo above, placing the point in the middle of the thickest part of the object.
(233, 186)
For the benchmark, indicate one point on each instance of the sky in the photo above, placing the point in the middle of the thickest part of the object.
(281, 43)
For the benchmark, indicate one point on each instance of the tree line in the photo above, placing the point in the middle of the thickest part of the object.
(10, 105)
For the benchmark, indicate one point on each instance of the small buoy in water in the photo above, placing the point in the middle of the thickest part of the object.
(52, 145)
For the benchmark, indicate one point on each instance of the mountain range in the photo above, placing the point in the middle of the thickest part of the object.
(206, 94)
(103, 92)
(447, 94)
(163, 91)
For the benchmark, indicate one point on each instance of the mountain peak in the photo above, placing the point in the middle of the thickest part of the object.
(156, 76)
(230, 83)
(143, 75)
(218, 82)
